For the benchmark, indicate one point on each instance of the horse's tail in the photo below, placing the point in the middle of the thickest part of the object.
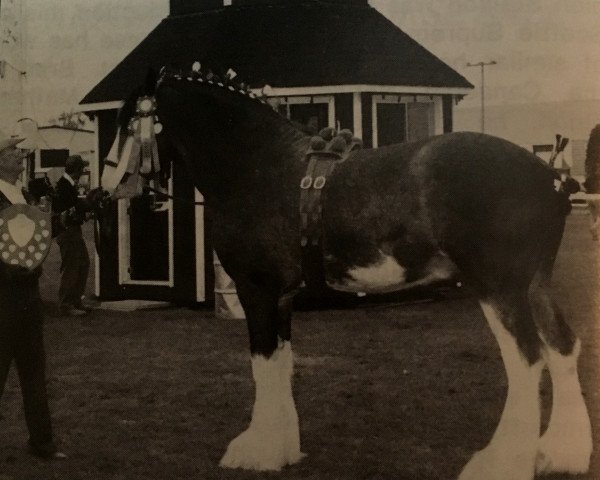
(565, 187)
(569, 185)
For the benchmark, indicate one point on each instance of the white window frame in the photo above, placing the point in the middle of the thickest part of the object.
(438, 121)
(199, 239)
(95, 182)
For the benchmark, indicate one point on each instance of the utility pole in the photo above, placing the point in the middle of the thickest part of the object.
(482, 65)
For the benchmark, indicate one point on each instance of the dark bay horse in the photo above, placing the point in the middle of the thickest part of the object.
(395, 217)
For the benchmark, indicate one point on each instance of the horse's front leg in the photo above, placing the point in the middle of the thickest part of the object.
(273, 438)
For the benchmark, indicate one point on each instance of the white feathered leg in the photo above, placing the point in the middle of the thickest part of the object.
(566, 446)
(273, 438)
(511, 452)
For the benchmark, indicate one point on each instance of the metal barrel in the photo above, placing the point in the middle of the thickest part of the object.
(227, 303)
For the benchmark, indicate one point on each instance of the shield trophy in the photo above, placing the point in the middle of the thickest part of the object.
(25, 236)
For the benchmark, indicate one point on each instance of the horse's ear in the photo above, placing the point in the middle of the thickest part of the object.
(150, 82)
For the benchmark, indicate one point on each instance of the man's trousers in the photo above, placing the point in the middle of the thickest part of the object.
(74, 268)
(22, 340)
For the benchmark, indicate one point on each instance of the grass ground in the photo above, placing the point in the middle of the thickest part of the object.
(404, 392)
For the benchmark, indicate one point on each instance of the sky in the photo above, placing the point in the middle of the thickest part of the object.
(545, 49)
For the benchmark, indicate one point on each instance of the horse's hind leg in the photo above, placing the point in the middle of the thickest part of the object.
(272, 439)
(511, 452)
(566, 445)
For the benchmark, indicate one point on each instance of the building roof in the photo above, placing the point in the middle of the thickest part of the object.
(306, 43)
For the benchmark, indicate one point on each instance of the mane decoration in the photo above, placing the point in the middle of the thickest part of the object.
(332, 143)
(227, 81)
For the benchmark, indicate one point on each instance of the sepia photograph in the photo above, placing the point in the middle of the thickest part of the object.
(299, 239)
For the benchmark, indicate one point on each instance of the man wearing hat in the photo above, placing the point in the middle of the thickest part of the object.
(21, 317)
(73, 252)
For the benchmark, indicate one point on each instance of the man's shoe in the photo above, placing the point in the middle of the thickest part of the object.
(50, 456)
(83, 307)
(73, 312)
(47, 454)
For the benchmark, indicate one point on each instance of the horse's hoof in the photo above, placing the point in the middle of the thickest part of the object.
(563, 456)
(492, 464)
(250, 451)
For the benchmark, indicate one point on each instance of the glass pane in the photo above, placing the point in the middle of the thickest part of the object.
(391, 123)
(313, 116)
(420, 121)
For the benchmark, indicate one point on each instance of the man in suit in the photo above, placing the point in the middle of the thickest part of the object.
(73, 252)
(21, 317)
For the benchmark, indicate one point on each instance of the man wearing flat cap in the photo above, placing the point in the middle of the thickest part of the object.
(21, 317)
(73, 252)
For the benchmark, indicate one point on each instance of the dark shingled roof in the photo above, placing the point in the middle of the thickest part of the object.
(302, 44)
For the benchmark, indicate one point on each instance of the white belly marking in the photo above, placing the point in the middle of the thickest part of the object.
(382, 274)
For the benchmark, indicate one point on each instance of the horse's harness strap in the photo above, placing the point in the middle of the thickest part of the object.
(327, 150)
(311, 193)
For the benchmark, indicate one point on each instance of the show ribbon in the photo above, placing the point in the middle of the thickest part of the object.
(145, 134)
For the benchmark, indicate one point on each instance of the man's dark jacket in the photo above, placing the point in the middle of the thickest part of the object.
(66, 198)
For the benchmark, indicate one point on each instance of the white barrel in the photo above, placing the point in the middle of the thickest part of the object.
(227, 303)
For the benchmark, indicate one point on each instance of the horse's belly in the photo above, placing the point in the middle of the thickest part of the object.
(388, 275)
(380, 276)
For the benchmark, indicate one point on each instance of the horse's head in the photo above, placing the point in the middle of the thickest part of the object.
(220, 128)
(224, 131)
(133, 160)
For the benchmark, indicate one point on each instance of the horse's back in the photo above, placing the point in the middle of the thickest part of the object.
(492, 205)
(481, 202)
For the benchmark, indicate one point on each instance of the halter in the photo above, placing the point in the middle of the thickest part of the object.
(326, 151)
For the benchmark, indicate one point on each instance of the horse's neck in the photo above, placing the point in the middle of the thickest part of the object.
(254, 153)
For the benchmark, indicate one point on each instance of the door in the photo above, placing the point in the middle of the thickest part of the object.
(146, 240)
(149, 239)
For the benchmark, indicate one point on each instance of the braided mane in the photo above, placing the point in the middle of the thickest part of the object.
(229, 83)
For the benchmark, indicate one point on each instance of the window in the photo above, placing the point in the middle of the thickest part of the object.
(420, 120)
(313, 113)
(53, 158)
(391, 123)
(402, 118)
